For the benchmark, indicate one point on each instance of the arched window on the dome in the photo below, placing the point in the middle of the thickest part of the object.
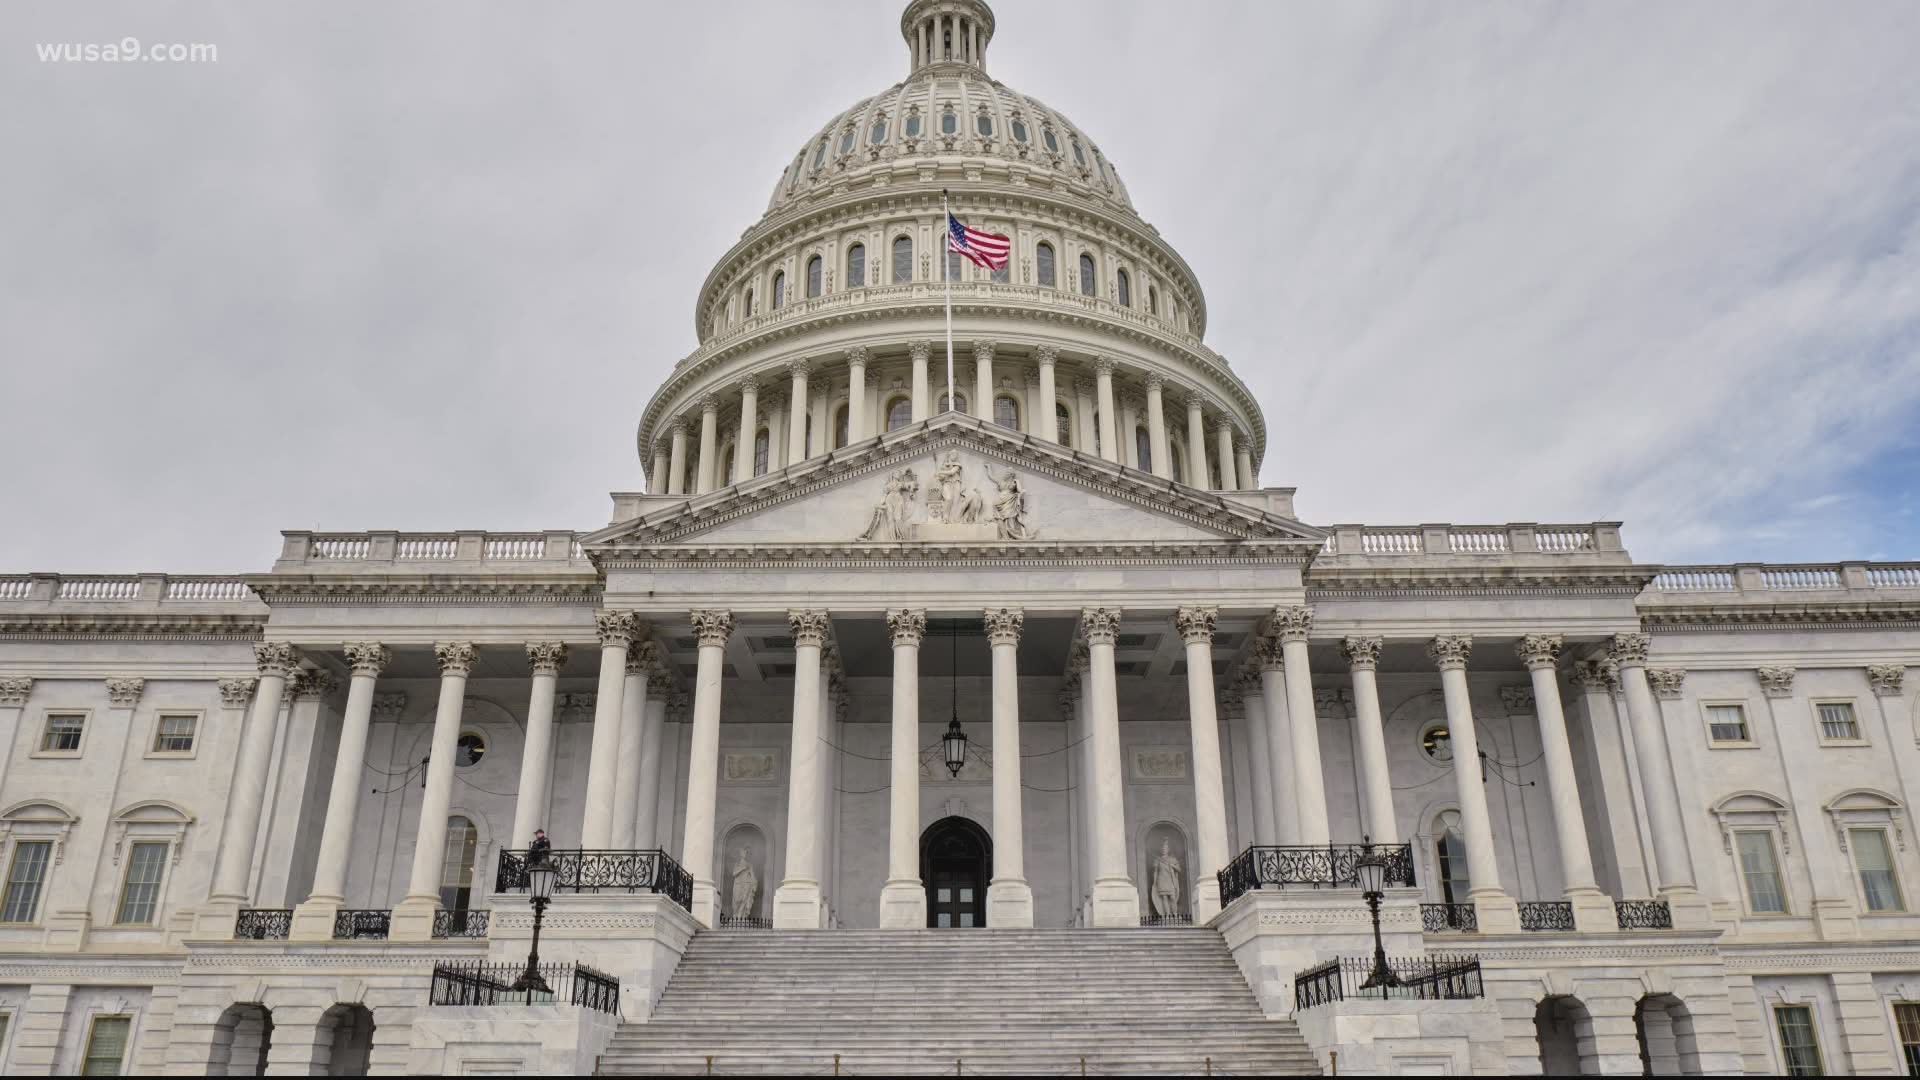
(1046, 135)
(1143, 448)
(1001, 274)
(953, 266)
(748, 308)
(856, 266)
(899, 414)
(949, 123)
(840, 426)
(1079, 157)
(1019, 128)
(1089, 277)
(820, 155)
(1153, 301)
(913, 123)
(983, 123)
(1062, 424)
(811, 448)
(846, 140)
(1176, 456)
(779, 289)
(762, 446)
(1095, 428)
(946, 403)
(902, 260)
(1123, 289)
(726, 466)
(813, 277)
(1006, 412)
(879, 133)
(1043, 263)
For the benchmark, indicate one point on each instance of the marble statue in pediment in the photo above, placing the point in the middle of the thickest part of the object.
(893, 518)
(1009, 506)
(949, 500)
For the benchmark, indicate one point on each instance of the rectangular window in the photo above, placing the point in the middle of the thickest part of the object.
(1873, 858)
(106, 1046)
(1799, 1046)
(1906, 1016)
(1762, 873)
(146, 864)
(24, 879)
(63, 732)
(173, 733)
(1837, 721)
(1728, 723)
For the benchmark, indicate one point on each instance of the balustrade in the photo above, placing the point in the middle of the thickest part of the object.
(206, 589)
(1561, 540)
(490, 984)
(263, 924)
(603, 871)
(1420, 978)
(1801, 577)
(1444, 918)
(99, 588)
(1695, 579)
(340, 547)
(1643, 914)
(460, 923)
(361, 924)
(1546, 915)
(1477, 541)
(1328, 866)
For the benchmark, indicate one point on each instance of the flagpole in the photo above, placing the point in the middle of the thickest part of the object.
(946, 226)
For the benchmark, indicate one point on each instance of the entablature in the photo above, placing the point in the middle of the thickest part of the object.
(1756, 596)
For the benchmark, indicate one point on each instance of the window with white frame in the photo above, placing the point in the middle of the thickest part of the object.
(64, 733)
(1799, 1045)
(1760, 872)
(106, 1050)
(1727, 723)
(1873, 862)
(1906, 1017)
(26, 880)
(140, 891)
(1837, 721)
(173, 733)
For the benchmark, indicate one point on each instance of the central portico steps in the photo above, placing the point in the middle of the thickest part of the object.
(1136, 1001)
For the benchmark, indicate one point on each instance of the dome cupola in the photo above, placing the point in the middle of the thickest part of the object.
(947, 34)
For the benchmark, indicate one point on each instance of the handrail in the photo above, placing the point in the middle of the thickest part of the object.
(1320, 866)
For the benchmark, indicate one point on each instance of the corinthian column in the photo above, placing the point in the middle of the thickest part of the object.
(677, 460)
(705, 479)
(646, 827)
(1044, 425)
(1279, 719)
(1672, 864)
(798, 371)
(797, 902)
(545, 658)
(920, 352)
(1253, 702)
(616, 630)
(1009, 898)
(712, 628)
(903, 901)
(1115, 900)
(1162, 463)
(1197, 443)
(276, 661)
(1363, 657)
(313, 920)
(642, 656)
(413, 918)
(1291, 626)
(983, 380)
(743, 447)
(857, 395)
(1495, 910)
(1223, 443)
(1592, 909)
(1103, 389)
(1209, 785)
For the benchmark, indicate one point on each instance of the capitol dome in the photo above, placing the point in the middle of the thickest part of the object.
(825, 324)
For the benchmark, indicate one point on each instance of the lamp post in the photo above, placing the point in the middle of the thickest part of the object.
(540, 877)
(1370, 870)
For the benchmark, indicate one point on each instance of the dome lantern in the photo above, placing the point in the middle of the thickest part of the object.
(947, 34)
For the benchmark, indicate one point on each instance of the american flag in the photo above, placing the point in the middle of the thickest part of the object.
(984, 248)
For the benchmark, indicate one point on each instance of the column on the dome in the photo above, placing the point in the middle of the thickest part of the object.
(1223, 441)
(1592, 909)
(677, 460)
(617, 631)
(797, 399)
(921, 353)
(641, 657)
(712, 627)
(657, 479)
(1009, 897)
(276, 662)
(1253, 702)
(776, 431)
(646, 827)
(1109, 433)
(1195, 625)
(1030, 413)
(545, 658)
(1273, 691)
(903, 900)
(1085, 430)
(1363, 659)
(1290, 626)
(797, 902)
(1129, 425)
(1243, 464)
(1196, 443)
(1493, 908)
(748, 439)
(983, 381)
(709, 463)
(313, 920)
(1044, 424)
(857, 394)
(1157, 427)
(412, 918)
(1115, 900)
(1672, 865)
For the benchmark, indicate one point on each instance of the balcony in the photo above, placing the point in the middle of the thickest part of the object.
(610, 871)
(1329, 867)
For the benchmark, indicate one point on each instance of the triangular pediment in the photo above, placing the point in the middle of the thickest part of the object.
(954, 482)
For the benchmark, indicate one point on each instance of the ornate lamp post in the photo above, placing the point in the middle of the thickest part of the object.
(1370, 870)
(540, 877)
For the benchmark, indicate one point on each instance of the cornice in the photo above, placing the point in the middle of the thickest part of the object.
(936, 556)
(149, 626)
(1543, 578)
(416, 588)
(1830, 615)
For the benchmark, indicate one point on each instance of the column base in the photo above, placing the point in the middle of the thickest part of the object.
(706, 904)
(797, 906)
(213, 920)
(1495, 912)
(1690, 910)
(313, 920)
(903, 906)
(1836, 920)
(1593, 911)
(1206, 900)
(1010, 903)
(67, 930)
(1115, 902)
(412, 919)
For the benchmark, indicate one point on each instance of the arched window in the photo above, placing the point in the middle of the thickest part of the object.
(1143, 446)
(902, 260)
(846, 141)
(762, 446)
(811, 448)
(1095, 426)
(1451, 847)
(1006, 412)
(946, 403)
(1078, 156)
(856, 266)
(726, 467)
(1053, 144)
(1062, 424)
(899, 414)
(820, 155)
(1124, 289)
(840, 426)
(1043, 263)
(879, 134)
(1019, 127)
(456, 870)
(1089, 277)
(813, 277)
(913, 124)
(1153, 300)
(984, 124)
(749, 307)
(949, 123)
(779, 289)
(953, 266)
(1178, 459)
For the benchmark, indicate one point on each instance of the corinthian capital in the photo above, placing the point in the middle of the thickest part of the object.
(14, 691)
(712, 626)
(907, 625)
(920, 351)
(1886, 678)
(642, 657)
(614, 627)
(983, 352)
(857, 355)
(1449, 651)
(1196, 624)
(1045, 355)
(275, 658)
(710, 403)
(1102, 624)
(1004, 625)
(1104, 365)
(1775, 682)
(1154, 384)
(1290, 623)
(1538, 651)
(367, 657)
(546, 657)
(1666, 681)
(1362, 653)
(388, 707)
(312, 685)
(235, 692)
(799, 368)
(455, 657)
(125, 693)
(1600, 675)
(1630, 648)
(1248, 683)
(810, 626)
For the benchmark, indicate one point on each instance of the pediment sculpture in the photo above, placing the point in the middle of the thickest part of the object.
(949, 509)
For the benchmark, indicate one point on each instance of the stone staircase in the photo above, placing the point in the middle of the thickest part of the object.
(1162, 1001)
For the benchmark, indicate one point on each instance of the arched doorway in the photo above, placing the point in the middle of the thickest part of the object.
(347, 1032)
(956, 863)
(1665, 1030)
(1564, 1030)
(241, 1038)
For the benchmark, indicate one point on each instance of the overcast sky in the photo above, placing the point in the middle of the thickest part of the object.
(419, 266)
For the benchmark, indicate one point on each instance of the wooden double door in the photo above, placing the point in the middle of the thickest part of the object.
(956, 862)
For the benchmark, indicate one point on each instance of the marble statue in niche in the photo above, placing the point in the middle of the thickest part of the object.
(744, 854)
(1165, 863)
(743, 889)
(1166, 882)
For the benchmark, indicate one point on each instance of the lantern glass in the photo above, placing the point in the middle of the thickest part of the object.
(540, 878)
(1371, 872)
(955, 742)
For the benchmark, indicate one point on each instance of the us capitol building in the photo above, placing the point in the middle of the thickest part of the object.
(867, 667)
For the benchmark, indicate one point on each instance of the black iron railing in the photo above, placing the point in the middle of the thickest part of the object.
(1546, 915)
(1421, 978)
(1328, 866)
(361, 924)
(491, 984)
(603, 871)
(1166, 920)
(263, 924)
(744, 922)
(1441, 918)
(459, 924)
(1643, 914)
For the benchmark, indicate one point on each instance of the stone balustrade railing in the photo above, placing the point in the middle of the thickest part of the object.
(460, 546)
(157, 588)
(1708, 581)
(1525, 538)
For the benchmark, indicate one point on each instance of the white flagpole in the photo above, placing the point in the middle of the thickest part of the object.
(946, 226)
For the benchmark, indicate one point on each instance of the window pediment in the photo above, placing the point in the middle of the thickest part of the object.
(1752, 809)
(1865, 807)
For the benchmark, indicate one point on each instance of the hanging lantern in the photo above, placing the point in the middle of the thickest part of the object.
(955, 742)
